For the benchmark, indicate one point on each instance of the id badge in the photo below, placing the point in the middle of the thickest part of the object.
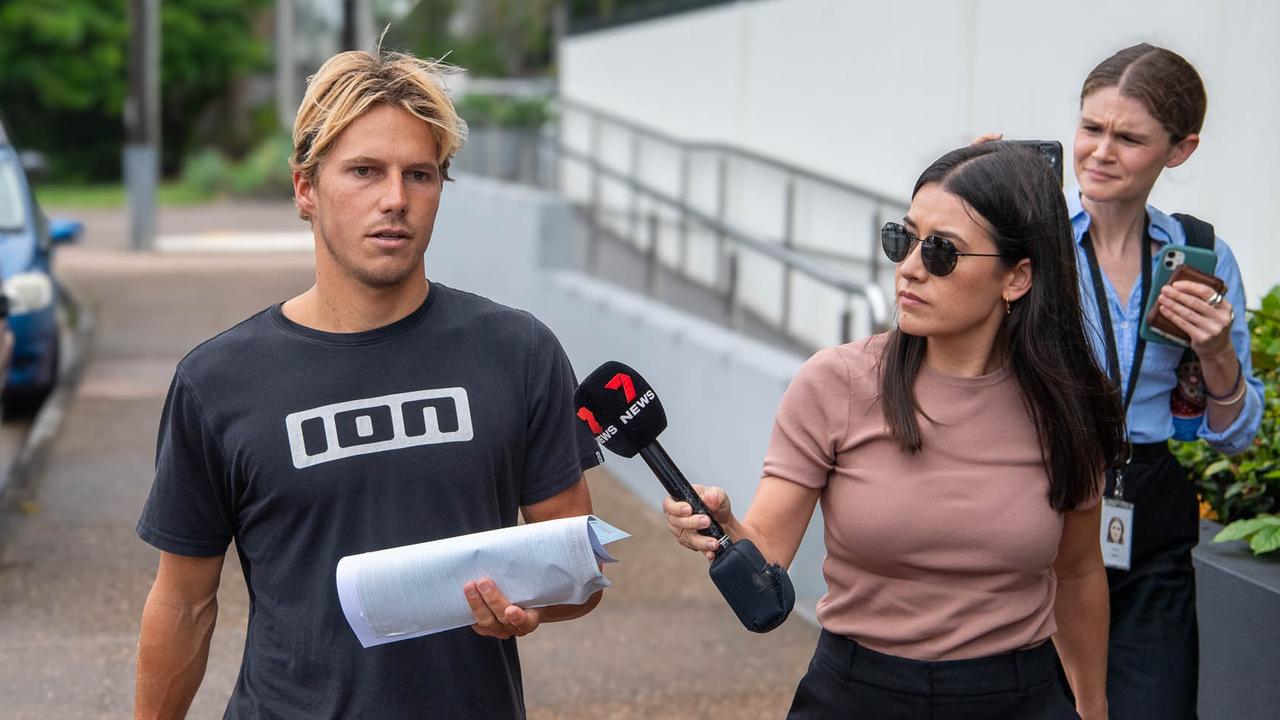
(1117, 533)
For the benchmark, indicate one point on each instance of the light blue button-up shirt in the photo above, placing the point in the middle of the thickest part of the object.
(1149, 418)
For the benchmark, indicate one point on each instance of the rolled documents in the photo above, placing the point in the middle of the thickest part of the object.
(415, 590)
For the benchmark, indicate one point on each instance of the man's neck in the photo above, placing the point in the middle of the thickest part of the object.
(1115, 227)
(348, 310)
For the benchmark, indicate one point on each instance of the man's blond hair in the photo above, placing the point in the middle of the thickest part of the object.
(350, 83)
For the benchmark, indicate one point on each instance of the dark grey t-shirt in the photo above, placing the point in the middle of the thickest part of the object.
(305, 446)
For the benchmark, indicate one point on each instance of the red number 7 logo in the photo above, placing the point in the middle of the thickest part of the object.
(623, 382)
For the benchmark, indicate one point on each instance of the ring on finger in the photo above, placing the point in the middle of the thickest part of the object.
(1215, 298)
(1232, 317)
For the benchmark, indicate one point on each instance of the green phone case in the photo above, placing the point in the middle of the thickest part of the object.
(1170, 257)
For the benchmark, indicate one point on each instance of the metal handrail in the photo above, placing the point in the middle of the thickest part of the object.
(798, 261)
(872, 294)
(705, 146)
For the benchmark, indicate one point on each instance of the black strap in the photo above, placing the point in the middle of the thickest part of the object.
(1104, 311)
(1199, 233)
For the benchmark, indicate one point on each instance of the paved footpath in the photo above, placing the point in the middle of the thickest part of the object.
(73, 576)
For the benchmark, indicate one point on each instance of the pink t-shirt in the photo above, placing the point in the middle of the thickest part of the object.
(940, 555)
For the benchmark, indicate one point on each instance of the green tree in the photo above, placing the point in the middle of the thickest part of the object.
(62, 85)
(498, 38)
(64, 77)
(424, 31)
(209, 50)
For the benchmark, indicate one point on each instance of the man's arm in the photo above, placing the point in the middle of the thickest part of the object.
(177, 624)
(495, 615)
(571, 503)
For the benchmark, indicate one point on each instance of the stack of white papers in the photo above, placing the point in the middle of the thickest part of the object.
(415, 590)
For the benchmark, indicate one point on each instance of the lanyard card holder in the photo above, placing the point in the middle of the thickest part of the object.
(1117, 526)
(1117, 533)
(1117, 515)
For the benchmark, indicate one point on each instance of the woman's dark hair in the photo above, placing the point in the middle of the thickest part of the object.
(1074, 404)
(1160, 79)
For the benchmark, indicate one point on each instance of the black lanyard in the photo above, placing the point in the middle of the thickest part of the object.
(1104, 311)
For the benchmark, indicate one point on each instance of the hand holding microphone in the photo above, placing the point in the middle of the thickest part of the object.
(625, 415)
(686, 523)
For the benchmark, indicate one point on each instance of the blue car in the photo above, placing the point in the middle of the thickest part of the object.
(27, 240)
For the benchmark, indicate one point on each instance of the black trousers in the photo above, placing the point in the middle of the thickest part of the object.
(846, 680)
(1153, 660)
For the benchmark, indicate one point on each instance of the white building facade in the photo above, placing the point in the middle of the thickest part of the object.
(871, 92)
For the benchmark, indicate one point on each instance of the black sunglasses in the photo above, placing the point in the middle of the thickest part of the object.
(938, 253)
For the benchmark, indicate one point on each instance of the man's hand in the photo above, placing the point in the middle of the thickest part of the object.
(495, 615)
(985, 138)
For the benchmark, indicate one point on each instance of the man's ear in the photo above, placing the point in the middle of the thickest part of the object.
(304, 195)
(1182, 150)
(1018, 281)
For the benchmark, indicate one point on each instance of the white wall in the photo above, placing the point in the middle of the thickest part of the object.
(720, 389)
(871, 92)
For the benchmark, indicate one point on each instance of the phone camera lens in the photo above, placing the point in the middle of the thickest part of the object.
(1168, 264)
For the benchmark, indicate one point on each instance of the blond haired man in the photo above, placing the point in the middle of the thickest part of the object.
(376, 409)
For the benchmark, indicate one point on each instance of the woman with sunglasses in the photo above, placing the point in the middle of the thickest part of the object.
(958, 460)
(1140, 112)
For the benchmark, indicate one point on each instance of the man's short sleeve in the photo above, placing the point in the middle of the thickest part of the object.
(190, 509)
(559, 446)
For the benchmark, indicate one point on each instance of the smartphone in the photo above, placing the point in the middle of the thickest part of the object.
(1050, 150)
(1170, 259)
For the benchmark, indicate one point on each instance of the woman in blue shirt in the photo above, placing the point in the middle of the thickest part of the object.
(1140, 112)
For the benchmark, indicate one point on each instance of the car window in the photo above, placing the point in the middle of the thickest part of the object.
(13, 208)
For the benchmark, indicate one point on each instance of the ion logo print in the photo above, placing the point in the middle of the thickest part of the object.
(379, 424)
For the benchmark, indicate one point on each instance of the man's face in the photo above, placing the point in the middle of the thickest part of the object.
(373, 201)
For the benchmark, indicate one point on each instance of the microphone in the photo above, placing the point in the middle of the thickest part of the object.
(625, 415)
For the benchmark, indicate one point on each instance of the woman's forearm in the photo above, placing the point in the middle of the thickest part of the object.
(1083, 614)
(1223, 377)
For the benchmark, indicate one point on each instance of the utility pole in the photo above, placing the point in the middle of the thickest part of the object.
(350, 31)
(286, 65)
(357, 26)
(142, 122)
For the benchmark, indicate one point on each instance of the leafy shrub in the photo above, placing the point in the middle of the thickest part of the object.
(1262, 532)
(264, 172)
(1235, 489)
(206, 172)
(508, 111)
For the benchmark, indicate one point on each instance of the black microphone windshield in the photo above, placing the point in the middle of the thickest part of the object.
(621, 409)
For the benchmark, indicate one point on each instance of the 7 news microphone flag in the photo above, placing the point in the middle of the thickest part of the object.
(625, 415)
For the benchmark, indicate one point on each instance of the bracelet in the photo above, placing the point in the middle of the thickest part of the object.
(1237, 390)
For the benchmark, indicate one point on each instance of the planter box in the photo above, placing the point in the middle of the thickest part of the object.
(1238, 598)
